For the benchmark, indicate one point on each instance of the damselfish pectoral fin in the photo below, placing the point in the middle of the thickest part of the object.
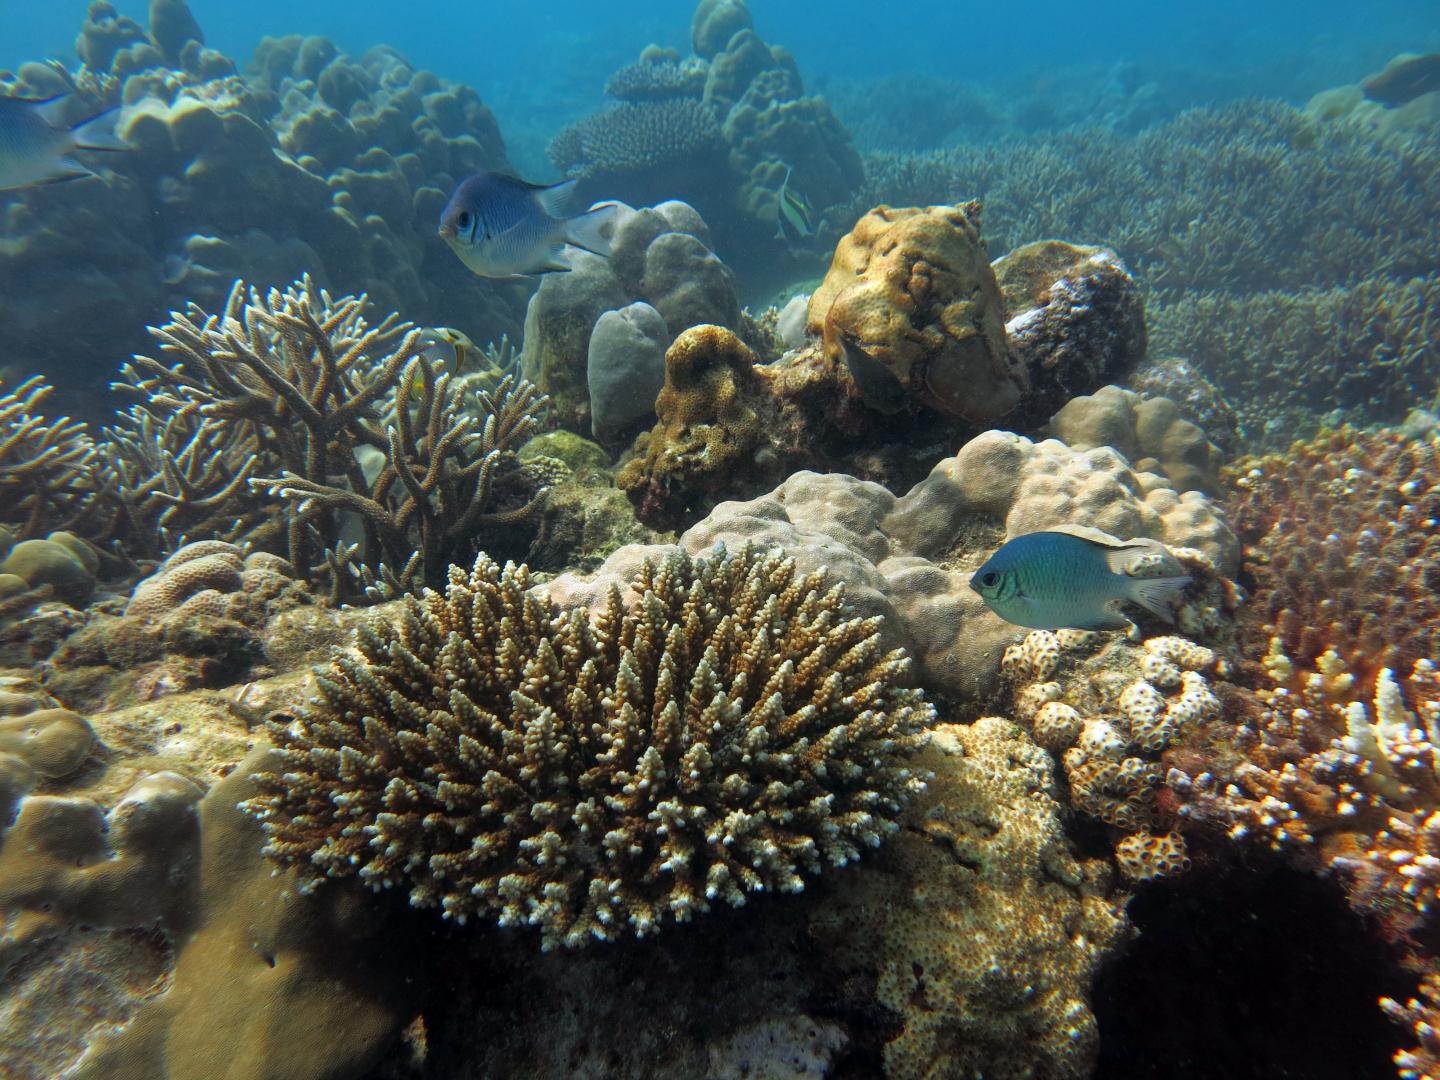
(1157, 595)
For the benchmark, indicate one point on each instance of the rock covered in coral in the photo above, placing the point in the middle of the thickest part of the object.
(1074, 317)
(981, 930)
(729, 148)
(730, 734)
(710, 433)
(1148, 431)
(907, 559)
(660, 257)
(911, 290)
(1199, 400)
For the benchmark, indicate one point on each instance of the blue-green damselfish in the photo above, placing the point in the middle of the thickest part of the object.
(1058, 580)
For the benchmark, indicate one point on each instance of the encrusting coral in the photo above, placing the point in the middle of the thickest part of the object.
(728, 734)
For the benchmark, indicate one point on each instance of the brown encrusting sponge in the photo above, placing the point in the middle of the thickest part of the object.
(727, 732)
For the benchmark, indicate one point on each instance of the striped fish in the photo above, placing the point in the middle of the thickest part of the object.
(794, 218)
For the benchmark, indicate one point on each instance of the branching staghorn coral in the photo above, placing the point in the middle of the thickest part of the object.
(299, 386)
(435, 490)
(184, 475)
(48, 468)
(1367, 348)
(1248, 197)
(727, 733)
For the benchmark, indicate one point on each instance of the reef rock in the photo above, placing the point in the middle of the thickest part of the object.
(1073, 316)
(910, 295)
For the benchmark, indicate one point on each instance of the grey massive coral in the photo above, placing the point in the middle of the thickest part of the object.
(726, 733)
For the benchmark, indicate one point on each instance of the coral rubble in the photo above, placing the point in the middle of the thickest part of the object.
(729, 734)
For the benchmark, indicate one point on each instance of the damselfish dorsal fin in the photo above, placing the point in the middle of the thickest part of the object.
(555, 199)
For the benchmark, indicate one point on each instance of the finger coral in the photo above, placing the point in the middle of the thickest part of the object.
(48, 468)
(727, 734)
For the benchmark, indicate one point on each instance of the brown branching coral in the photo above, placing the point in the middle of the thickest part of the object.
(1335, 756)
(727, 734)
(1421, 1015)
(48, 468)
(294, 395)
(181, 476)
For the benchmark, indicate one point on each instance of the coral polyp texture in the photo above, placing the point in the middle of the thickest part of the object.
(729, 733)
(1343, 552)
(1334, 759)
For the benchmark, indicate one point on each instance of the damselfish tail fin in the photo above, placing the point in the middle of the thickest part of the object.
(98, 132)
(1157, 595)
(588, 230)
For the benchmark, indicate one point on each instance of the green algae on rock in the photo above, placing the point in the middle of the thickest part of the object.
(730, 734)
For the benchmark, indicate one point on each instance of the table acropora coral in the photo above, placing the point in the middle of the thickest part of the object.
(732, 732)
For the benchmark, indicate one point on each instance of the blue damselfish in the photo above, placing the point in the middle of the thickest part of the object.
(1057, 580)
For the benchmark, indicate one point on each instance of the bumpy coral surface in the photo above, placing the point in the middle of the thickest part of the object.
(912, 289)
(908, 558)
(711, 424)
(1343, 554)
(980, 927)
(729, 734)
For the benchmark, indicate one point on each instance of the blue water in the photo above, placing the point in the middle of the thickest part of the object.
(551, 59)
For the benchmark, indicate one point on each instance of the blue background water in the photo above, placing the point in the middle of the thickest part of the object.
(540, 64)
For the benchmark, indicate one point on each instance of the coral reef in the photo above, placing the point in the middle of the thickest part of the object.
(907, 559)
(728, 735)
(659, 257)
(1366, 348)
(722, 130)
(981, 898)
(1288, 257)
(1148, 431)
(314, 162)
(320, 394)
(1108, 710)
(198, 620)
(911, 290)
(49, 478)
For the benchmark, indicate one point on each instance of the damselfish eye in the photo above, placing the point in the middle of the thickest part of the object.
(464, 219)
(989, 579)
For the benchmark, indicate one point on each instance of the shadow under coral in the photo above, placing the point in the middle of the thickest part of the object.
(1247, 971)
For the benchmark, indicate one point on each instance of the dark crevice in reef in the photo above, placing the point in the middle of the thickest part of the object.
(1249, 971)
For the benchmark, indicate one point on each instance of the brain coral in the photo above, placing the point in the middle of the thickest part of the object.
(728, 733)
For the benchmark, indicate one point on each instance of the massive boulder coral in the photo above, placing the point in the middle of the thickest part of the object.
(313, 163)
(710, 434)
(730, 734)
(908, 558)
(1148, 430)
(911, 290)
(660, 256)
